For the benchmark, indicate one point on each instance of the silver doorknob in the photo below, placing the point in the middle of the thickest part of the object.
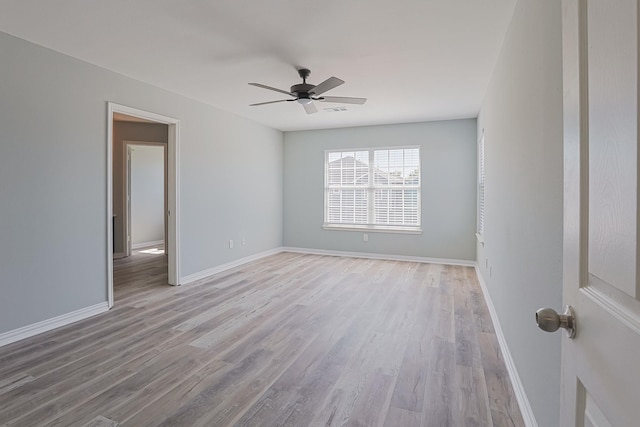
(550, 321)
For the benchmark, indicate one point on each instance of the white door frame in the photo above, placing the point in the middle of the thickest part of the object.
(173, 184)
(126, 147)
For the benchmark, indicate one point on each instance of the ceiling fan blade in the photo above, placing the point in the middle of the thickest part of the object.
(270, 102)
(270, 88)
(326, 85)
(310, 108)
(343, 99)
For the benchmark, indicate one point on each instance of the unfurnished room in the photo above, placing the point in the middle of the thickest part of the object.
(338, 213)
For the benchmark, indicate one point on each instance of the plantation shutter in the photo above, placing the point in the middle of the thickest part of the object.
(347, 182)
(396, 185)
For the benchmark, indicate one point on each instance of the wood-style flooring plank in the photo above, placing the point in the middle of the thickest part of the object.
(466, 339)
(101, 421)
(401, 417)
(502, 402)
(473, 406)
(439, 408)
(14, 382)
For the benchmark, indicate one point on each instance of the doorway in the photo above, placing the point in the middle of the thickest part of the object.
(117, 229)
(145, 199)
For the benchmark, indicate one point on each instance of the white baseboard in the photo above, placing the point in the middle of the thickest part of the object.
(49, 324)
(185, 280)
(446, 261)
(145, 244)
(518, 388)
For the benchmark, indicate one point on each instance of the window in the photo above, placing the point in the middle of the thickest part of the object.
(375, 189)
(481, 185)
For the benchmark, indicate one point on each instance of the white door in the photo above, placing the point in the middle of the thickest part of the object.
(601, 366)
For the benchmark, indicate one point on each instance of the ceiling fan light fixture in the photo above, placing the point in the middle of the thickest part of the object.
(304, 101)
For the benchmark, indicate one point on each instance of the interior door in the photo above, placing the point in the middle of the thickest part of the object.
(127, 221)
(601, 365)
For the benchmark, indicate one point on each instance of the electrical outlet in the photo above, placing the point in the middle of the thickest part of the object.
(244, 241)
(365, 237)
(230, 244)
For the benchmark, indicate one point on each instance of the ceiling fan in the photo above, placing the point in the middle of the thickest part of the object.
(306, 93)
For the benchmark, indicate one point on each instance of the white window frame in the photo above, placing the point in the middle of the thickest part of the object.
(370, 226)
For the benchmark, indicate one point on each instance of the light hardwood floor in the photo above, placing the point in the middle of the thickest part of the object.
(288, 340)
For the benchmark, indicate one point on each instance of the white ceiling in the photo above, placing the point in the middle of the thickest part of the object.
(415, 60)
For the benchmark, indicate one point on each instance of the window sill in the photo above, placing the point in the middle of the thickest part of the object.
(373, 229)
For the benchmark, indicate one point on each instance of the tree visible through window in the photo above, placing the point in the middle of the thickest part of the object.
(374, 189)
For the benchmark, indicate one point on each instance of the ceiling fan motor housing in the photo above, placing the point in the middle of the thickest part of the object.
(302, 90)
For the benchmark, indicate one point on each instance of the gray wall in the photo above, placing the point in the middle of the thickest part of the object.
(448, 157)
(147, 193)
(128, 131)
(53, 159)
(522, 119)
